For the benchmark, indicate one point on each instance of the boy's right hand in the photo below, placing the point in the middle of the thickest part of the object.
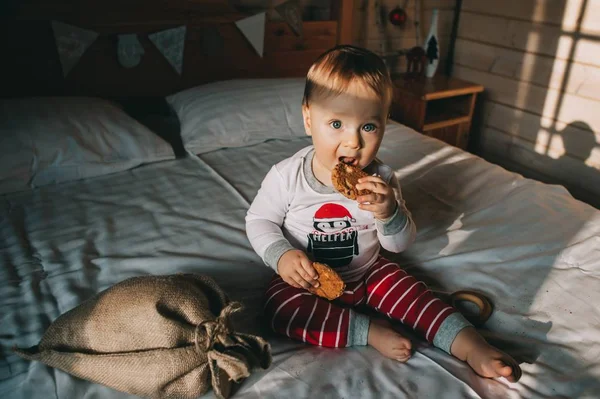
(297, 270)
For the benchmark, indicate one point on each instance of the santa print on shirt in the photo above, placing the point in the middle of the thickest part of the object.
(291, 209)
(334, 241)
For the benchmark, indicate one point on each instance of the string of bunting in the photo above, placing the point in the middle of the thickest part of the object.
(72, 41)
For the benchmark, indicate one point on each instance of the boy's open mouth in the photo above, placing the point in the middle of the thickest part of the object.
(348, 160)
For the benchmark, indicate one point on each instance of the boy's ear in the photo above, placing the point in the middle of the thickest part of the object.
(306, 119)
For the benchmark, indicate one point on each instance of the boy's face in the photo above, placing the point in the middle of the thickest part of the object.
(345, 128)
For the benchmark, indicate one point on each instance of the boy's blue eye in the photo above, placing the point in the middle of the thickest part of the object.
(369, 127)
(336, 124)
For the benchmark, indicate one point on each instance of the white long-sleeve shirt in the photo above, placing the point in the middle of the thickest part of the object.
(294, 210)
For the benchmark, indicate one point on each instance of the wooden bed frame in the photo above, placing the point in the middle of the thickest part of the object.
(34, 67)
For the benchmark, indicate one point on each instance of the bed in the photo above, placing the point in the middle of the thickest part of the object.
(530, 247)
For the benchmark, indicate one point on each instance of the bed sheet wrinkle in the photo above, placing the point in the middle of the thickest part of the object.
(16, 248)
(512, 258)
(479, 227)
(528, 244)
(245, 168)
(507, 233)
(372, 376)
(78, 244)
(287, 114)
(230, 187)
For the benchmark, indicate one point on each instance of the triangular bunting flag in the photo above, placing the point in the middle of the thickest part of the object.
(171, 43)
(71, 43)
(291, 13)
(212, 42)
(253, 29)
(129, 50)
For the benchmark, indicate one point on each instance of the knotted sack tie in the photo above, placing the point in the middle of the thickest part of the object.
(231, 355)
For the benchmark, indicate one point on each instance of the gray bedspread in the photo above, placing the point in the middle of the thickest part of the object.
(532, 248)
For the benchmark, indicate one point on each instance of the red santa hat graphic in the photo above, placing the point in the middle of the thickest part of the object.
(333, 213)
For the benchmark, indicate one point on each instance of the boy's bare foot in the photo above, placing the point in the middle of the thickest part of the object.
(483, 358)
(387, 341)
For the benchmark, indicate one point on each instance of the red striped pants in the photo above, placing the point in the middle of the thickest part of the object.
(385, 287)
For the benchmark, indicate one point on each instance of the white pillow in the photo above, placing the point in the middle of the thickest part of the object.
(237, 113)
(49, 140)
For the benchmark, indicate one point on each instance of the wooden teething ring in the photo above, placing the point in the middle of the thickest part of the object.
(484, 305)
(485, 311)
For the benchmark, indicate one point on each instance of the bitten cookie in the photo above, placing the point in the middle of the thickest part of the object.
(345, 177)
(331, 285)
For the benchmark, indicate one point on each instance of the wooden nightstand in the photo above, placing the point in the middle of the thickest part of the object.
(439, 107)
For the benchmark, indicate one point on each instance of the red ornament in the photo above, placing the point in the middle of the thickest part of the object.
(397, 16)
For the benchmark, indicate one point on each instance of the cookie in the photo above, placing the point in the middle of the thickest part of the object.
(345, 177)
(331, 285)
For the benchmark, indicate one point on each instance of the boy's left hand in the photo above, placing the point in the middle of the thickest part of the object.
(382, 201)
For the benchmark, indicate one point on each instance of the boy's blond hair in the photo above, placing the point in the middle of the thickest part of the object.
(334, 70)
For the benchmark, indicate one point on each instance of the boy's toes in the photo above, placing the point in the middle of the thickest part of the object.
(401, 342)
(502, 368)
(403, 358)
(509, 369)
(401, 355)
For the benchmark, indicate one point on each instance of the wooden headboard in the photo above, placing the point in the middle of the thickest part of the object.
(33, 66)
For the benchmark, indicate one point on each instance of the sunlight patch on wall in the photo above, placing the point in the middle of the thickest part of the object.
(580, 147)
(571, 11)
(528, 66)
(556, 139)
(589, 24)
(549, 144)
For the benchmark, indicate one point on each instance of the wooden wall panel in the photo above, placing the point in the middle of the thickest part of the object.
(532, 37)
(538, 61)
(553, 136)
(541, 70)
(536, 99)
(554, 165)
(563, 13)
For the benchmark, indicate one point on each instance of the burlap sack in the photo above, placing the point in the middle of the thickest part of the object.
(154, 336)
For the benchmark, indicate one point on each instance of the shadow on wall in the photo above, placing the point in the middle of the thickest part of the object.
(573, 169)
(584, 145)
(537, 79)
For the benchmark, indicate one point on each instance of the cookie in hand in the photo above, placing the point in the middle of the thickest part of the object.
(345, 177)
(331, 285)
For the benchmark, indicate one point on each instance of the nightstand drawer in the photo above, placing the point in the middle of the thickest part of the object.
(439, 107)
(447, 111)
